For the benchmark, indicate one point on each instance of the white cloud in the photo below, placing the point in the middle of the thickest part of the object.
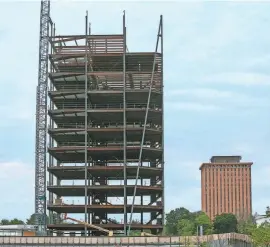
(183, 196)
(210, 99)
(22, 110)
(191, 168)
(258, 61)
(208, 93)
(260, 186)
(243, 148)
(17, 189)
(209, 43)
(238, 78)
(215, 35)
(191, 106)
(182, 180)
(261, 174)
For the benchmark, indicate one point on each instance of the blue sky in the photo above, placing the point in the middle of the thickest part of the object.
(217, 88)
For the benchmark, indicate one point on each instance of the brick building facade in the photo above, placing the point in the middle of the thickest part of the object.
(226, 186)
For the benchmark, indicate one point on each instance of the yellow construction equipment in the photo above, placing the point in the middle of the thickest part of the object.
(110, 233)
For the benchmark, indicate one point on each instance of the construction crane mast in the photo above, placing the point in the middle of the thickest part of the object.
(41, 119)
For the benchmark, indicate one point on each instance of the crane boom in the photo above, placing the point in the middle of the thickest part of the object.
(41, 119)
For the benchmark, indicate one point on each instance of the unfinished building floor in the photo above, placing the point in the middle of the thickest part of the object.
(106, 119)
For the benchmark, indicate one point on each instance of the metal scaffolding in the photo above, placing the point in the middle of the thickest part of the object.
(106, 131)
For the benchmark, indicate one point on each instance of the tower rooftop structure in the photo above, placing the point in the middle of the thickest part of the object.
(226, 159)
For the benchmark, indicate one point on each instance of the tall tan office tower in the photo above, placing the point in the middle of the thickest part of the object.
(226, 186)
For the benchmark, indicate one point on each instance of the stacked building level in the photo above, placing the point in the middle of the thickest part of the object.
(106, 127)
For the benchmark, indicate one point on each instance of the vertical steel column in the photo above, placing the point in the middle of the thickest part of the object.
(85, 126)
(90, 181)
(162, 128)
(41, 119)
(141, 205)
(58, 181)
(50, 138)
(125, 126)
(144, 127)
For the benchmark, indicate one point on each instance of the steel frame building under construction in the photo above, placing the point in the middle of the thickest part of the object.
(106, 139)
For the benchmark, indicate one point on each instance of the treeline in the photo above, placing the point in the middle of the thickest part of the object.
(182, 222)
(15, 221)
(29, 221)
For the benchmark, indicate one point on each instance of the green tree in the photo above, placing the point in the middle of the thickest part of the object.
(14, 221)
(225, 223)
(186, 227)
(203, 220)
(4, 222)
(195, 214)
(261, 235)
(172, 219)
(31, 219)
(245, 226)
(245, 221)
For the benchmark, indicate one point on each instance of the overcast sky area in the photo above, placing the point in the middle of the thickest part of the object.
(217, 88)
